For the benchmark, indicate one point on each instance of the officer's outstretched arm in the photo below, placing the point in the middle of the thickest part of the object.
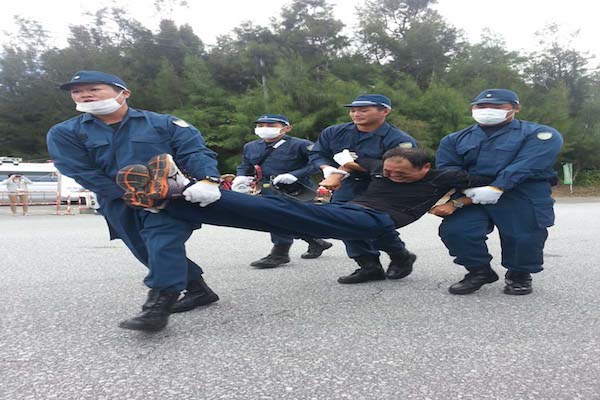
(190, 150)
(447, 157)
(320, 154)
(71, 158)
(537, 155)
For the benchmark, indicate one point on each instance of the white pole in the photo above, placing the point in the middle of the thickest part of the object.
(59, 186)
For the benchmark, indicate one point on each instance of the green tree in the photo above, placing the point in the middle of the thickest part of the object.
(382, 24)
(309, 29)
(301, 66)
(409, 36)
(444, 110)
(166, 88)
(559, 63)
(487, 64)
(28, 102)
(243, 60)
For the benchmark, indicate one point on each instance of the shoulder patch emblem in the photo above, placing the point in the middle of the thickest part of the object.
(406, 145)
(181, 123)
(544, 135)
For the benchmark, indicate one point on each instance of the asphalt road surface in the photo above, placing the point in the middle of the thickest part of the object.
(293, 332)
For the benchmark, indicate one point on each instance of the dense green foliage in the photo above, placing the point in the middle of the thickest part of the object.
(302, 66)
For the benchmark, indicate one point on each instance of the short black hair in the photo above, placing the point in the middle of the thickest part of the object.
(417, 157)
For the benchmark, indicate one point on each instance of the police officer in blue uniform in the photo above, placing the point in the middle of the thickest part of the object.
(286, 159)
(92, 147)
(367, 136)
(520, 156)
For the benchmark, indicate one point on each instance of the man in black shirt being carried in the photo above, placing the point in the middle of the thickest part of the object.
(403, 188)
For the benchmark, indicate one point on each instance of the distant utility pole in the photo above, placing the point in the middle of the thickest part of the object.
(261, 62)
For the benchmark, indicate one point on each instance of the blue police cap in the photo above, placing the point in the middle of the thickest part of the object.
(94, 77)
(496, 96)
(273, 118)
(371, 100)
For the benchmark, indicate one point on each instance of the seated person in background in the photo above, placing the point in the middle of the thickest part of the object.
(404, 187)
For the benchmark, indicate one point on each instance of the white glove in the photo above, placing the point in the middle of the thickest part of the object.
(246, 180)
(344, 157)
(203, 193)
(484, 195)
(286, 179)
(329, 170)
(241, 184)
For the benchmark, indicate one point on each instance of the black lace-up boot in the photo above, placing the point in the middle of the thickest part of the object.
(401, 265)
(316, 247)
(370, 270)
(474, 280)
(197, 294)
(517, 283)
(155, 315)
(280, 254)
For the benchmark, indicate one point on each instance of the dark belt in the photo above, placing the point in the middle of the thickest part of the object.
(553, 181)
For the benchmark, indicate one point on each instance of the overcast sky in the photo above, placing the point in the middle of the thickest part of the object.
(515, 20)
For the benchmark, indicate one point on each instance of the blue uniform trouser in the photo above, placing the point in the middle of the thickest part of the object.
(281, 240)
(288, 217)
(356, 248)
(521, 219)
(392, 245)
(276, 238)
(157, 241)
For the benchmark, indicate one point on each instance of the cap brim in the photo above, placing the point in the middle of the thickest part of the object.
(271, 121)
(366, 104)
(67, 86)
(492, 101)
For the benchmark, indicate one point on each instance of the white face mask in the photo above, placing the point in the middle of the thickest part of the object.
(267, 132)
(101, 107)
(490, 116)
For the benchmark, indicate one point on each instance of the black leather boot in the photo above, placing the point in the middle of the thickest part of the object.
(401, 265)
(197, 294)
(474, 280)
(316, 247)
(370, 270)
(156, 314)
(517, 283)
(280, 254)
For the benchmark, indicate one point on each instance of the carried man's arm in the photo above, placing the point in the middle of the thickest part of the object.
(347, 164)
(460, 180)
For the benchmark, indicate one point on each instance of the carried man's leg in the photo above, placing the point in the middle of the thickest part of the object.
(280, 215)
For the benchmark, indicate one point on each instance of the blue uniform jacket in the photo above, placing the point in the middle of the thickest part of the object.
(520, 152)
(91, 152)
(336, 138)
(290, 157)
